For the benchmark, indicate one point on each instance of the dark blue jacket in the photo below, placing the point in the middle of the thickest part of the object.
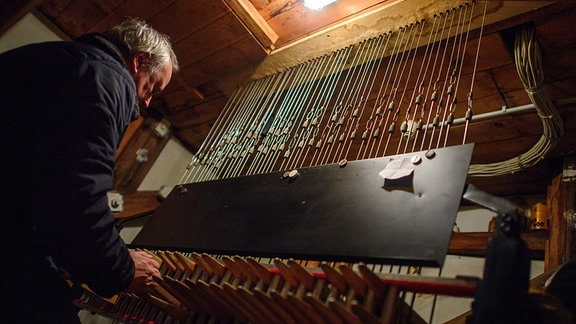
(64, 107)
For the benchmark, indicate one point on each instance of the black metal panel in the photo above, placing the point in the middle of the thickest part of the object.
(330, 212)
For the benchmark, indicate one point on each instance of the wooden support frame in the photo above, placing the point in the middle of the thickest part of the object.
(137, 204)
(560, 246)
(254, 22)
(475, 243)
(140, 152)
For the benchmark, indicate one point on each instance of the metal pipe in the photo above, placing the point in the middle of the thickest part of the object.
(502, 112)
(507, 111)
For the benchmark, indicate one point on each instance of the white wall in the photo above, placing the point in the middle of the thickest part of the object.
(26, 31)
(168, 168)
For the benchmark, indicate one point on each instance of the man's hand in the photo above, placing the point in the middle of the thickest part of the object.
(145, 269)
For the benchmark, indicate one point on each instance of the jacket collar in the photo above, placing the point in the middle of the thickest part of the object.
(99, 41)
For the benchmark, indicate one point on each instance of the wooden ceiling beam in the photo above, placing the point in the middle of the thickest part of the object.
(254, 22)
(13, 11)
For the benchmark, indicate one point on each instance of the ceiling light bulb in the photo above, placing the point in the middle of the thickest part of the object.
(317, 4)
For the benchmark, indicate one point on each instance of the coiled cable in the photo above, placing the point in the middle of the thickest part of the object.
(528, 60)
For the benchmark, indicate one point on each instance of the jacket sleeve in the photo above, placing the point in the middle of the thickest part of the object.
(78, 162)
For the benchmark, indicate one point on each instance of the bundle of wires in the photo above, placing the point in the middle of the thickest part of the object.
(529, 66)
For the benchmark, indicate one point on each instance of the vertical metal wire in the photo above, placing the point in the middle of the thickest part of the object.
(469, 111)
(305, 86)
(456, 73)
(450, 117)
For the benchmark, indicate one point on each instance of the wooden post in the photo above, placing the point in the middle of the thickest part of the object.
(561, 214)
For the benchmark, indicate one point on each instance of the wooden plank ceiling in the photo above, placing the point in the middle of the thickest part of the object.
(221, 42)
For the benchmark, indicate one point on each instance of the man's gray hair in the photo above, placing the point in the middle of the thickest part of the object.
(134, 35)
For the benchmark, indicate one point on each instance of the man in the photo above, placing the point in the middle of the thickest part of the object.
(64, 107)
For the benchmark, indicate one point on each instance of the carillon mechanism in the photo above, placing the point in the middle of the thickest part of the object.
(385, 95)
(198, 288)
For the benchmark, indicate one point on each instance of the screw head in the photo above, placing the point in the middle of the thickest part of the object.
(416, 159)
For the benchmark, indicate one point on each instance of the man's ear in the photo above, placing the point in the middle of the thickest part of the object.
(139, 61)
